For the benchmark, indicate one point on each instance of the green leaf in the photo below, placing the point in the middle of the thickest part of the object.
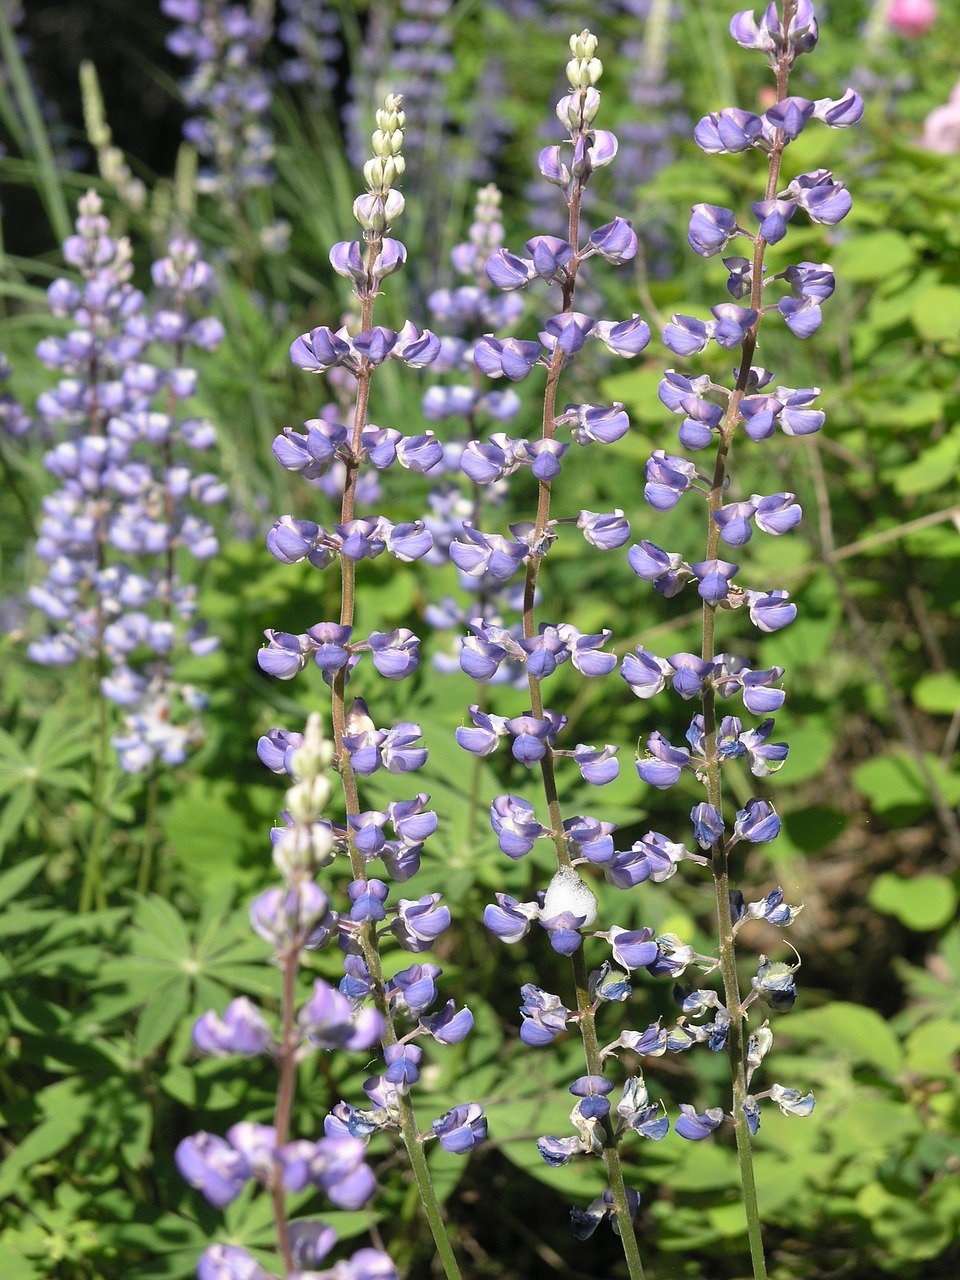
(65, 1108)
(935, 313)
(160, 1017)
(936, 468)
(895, 788)
(814, 826)
(872, 255)
(162, 926)
(932, 1048)
(938, 693)
(852, 1031)
(17, 878)
(13, 1265)
(922, 903)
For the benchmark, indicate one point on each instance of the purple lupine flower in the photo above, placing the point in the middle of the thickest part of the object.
(708, 825)
(615, 242)
(728, 131)
(242, 1030)
(697, 1125)
(276, 748)
(668, 478)
(714, 577)
(821, 198)
(490, 554)
(646, 674)
(605, 530)
(639, 1113)
(450, 1025)
(230, 1262)
(367, 897)
(664, 763)
(419, 922)
(585, 1221)
(412, 991)
(597, 765)
(567, 331)
(774, 981)
(484, 737)
(711, 229)
(632, 949)
(770, 611)
(791, 1101)
(509, 919)
(510, 358)
(757, 822)
(461, 1129)
(666, 570)
(544, 1017)
(626, 338)
(597, 423)
(403, 1065)
(333, 1164)
(213, 1167)
(328, 1020)
(515, 825)
(396, 654)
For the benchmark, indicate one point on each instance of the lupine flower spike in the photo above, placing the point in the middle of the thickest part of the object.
(713, 417)
(395, 834)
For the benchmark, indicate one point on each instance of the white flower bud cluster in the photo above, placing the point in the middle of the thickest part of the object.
(308, 842)
(382, 204)
(584, 69)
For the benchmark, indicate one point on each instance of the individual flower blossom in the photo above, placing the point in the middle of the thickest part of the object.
(509, 919)
(774, 982)
(242, 1030)
(941, 128)
(911, 18)
(711, 229)
(461, 1129)
(515, 825)
(213, 1167)
(544, 1017)
(585, 1221)
(696, 1125)
(450, 1025)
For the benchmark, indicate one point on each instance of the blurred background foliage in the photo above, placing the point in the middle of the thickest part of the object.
(96, 1067)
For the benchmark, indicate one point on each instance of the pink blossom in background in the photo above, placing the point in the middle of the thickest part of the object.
(941, 129)
(912, 17)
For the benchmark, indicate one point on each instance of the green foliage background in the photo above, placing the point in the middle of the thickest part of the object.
(98, 1077)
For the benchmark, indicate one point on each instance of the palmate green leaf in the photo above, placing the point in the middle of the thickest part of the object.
(20, 920)
(65, 1107)
(161, 1015)
(172, 1244)
(161, 931)
(15, 809)
(17, 878)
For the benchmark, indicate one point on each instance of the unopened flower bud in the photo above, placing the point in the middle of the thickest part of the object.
(307, 800)
(314, 754)
(584, 72)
